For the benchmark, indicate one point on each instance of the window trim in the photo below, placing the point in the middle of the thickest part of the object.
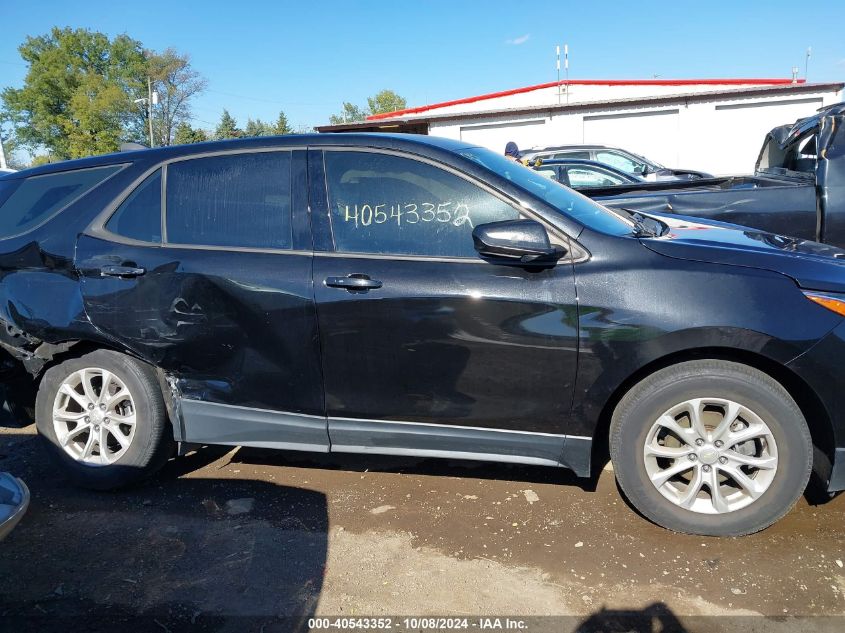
(555, 234)
(120, 168)
(98, 229)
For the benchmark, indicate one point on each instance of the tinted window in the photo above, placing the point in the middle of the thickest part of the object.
(388, 204)
(139, 216)
(233, 200)
(581, 155)
(33, 200)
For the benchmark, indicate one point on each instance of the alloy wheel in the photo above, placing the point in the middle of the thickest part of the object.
(710, 455)
(94, 416)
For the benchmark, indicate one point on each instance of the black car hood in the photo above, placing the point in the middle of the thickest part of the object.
(813, 266)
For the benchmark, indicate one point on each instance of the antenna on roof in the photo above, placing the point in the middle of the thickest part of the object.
(557, 52)
(807, 61)
(566, 68)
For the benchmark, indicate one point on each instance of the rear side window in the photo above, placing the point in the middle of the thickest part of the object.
(385, 204)
(238, 200)
(139, 216)
(35, 200)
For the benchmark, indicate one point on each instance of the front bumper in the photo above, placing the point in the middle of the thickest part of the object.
(822, 367)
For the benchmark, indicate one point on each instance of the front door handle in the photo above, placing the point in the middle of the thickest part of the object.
(124, 272)
(353, 282)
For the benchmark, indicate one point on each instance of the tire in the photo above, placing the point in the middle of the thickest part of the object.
(780, 451)
(142, 447)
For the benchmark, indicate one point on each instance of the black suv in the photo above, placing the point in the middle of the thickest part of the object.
(409, 295)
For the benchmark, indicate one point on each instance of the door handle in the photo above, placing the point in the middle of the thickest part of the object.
(353, 282)
(124, 272)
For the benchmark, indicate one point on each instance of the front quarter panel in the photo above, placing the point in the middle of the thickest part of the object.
(637, 307)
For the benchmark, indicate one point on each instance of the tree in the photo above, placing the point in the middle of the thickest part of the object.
(176, 82)
(77, 97)
(386, 101)
(227, 128)
(381, 102)
(282, 126)
(350, 114)
(257, 127)
(185, 134)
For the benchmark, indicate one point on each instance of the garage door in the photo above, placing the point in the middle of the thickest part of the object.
(650, 134)
(743, 126)
(495, 136)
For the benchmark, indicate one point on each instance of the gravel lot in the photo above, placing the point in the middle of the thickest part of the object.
(241, 539)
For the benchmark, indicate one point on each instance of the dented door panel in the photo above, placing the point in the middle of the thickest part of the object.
(232, 327)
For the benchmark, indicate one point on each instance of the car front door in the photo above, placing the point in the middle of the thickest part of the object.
(426, 348)
(204, 270)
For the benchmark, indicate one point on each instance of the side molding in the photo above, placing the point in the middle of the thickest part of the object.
(213, 423)
(460, 442)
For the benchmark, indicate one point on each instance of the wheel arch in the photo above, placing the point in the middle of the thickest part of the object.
(78, 348)
(817, 417)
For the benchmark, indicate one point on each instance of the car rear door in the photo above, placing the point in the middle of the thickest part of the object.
(426, 348)
(204, 270)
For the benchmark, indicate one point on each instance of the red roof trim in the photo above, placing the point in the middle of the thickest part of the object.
(589, 82)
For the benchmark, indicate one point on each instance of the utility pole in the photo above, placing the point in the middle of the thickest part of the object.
(2, 153)
(150, 109)
(150, 100)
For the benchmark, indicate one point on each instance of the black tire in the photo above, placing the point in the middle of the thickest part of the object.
(656, 394)
(151, 446)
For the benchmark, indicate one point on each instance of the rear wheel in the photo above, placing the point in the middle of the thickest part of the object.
(102, 415)
(711, 447)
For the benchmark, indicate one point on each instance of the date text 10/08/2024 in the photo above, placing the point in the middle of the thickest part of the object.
(411, 213)
(422, 623)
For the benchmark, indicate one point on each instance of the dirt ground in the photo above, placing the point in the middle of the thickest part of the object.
(247, 539)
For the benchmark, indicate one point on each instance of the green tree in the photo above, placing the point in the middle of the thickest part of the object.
(386, 101)
(282, 126)
(257, 127)
(227, 128)
(381, 102)
(185, 134)
(176, 83)
(77, 97)
(350, 114)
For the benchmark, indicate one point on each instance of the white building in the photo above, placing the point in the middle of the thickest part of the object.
(712, 125)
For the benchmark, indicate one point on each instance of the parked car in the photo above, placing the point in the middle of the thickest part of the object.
(621, 159)
(14, 501)
(582, 174)
(6, 170)
(798, 187)
(408, 295)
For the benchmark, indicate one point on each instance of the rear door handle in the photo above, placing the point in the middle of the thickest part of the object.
(355, 281)
(125, 272)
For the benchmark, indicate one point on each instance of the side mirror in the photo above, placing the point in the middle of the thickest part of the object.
(515, 241)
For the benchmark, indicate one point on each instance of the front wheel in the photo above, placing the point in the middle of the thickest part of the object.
(710, 447)
(103, 417)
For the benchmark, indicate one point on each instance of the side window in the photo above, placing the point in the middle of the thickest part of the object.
(139, 216)
(32, 201)
(387, 204)
(237, 200)
(580, 155)
(620, 162)
(586, 177)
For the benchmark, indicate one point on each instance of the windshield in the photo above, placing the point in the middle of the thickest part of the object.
(578, 207)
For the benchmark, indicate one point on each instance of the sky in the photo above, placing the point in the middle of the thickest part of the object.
(307, 58)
